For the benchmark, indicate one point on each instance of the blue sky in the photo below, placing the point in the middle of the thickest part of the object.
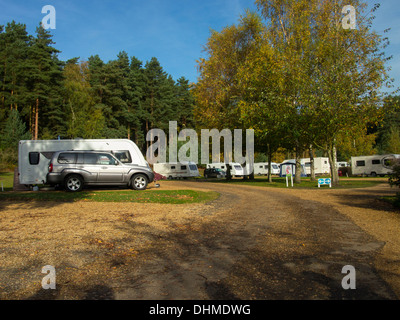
(173, 31)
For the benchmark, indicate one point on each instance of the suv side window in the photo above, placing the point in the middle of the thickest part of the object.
(105, 159)
(90, 158)
(67, 158)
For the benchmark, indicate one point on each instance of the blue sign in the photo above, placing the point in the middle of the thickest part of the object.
(327, 181)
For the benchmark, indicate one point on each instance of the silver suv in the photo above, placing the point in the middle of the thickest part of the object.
(74, 169)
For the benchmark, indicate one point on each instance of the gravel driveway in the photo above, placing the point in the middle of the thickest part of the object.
(251, 243)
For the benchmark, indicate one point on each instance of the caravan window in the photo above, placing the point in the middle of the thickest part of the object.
(360, 163)
(192, 167)
(238, 167)
(388, 162)
(123, 156)
(66, 158)
(34, 158)
(172, 167)
(376, 161)
(183, 167)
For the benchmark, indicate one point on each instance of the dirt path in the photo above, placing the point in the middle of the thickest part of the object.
(251, 243)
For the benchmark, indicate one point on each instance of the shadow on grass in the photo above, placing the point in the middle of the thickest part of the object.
(48, 199)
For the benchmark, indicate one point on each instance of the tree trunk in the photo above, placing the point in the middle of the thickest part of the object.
(312, 168)
(36, 120)
(228, 171)
(147, 130)
(269, 164)
(297, 176)
(332, 162)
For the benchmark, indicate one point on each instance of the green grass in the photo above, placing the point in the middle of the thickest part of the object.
(148, 196)
(7, 179)
(344, 183)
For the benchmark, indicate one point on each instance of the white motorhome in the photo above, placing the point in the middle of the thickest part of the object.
(261, 168)
(34, 155)
(321, 165)
(173, 170)
(236, 168)
(373, 165)
(342, 164)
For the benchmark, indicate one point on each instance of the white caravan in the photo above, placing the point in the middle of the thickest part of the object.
(373, 165)
(34, 155)
(236, 168)
(321, 166)
(342, 164)
(261, 168)
(173, 170)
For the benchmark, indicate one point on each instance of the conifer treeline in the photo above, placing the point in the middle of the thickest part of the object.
(122, 98)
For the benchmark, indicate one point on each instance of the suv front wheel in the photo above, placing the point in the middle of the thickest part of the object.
(73, 183)
(139, 182)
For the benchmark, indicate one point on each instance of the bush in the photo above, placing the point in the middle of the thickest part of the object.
(394, 180)
(8, 158)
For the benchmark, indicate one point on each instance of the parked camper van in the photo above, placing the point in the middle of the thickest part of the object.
(34, 155)
(261, 168)
(373, 165)
(342, 164)
(175, 170)
(321, 166)
(236, 168)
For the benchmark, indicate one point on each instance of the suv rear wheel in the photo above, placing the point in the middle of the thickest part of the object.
(73, 183)
(139, 182)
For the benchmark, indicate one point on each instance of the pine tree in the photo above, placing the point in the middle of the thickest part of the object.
(14, 45)
(186, 103)
(13, 131)
(135, 81)
(45, 76)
